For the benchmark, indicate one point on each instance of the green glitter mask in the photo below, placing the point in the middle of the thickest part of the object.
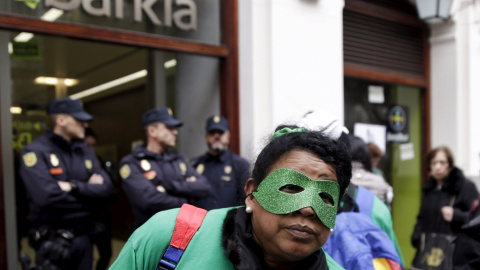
(273, 200)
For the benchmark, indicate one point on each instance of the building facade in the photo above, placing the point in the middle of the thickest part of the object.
(356, 59)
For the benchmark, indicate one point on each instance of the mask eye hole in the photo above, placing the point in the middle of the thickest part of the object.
(291, 189)
(326, 198)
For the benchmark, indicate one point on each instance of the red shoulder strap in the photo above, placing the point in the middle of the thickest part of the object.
(188, 221)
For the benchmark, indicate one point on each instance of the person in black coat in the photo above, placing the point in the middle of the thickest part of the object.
(102, 232)
(64, 185)
(467, 245)
(156, 178)
(448, 196)
(226, 172)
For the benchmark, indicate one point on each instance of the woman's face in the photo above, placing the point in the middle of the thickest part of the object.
(439, 167)
(295, 236)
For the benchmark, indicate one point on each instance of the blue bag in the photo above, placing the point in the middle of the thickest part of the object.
(359, 243)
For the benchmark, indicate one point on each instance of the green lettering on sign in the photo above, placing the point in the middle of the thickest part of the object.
(30, 3)
(26, 50)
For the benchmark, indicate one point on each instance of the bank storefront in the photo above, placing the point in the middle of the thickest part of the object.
(120, 58)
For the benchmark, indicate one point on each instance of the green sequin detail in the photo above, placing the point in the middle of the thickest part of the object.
(273, 200)
(284, 131)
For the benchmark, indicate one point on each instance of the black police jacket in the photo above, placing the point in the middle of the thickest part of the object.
(49, 159)
(227, 173)
(142, 171)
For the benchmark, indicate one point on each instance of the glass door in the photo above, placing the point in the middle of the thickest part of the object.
(384, 107)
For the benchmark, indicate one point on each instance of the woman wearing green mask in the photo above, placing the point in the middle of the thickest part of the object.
(289, 213)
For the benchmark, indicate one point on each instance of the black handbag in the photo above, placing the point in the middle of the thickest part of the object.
(435, 252)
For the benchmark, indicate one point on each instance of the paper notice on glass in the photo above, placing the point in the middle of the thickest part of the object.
(375, 94)
(406, 151)
(371, 133)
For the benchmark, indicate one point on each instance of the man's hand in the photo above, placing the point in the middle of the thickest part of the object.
(191, 178)
(96, 179)
(161, 189)
(447, 212)
(65, 186)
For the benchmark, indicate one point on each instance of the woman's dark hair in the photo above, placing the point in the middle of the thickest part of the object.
(374, 150)
(332, 152)
(431, 155)
(359, 152)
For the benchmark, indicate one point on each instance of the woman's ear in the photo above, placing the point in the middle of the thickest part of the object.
(249, 187)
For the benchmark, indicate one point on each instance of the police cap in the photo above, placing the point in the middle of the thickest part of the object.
(217, 122)
(163, 115)
(69, 106)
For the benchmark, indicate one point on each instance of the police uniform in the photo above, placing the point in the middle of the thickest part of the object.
(142, 171)
(49, 159)
(226, 172)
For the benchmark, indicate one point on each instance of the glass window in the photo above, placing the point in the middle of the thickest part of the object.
(116, 84)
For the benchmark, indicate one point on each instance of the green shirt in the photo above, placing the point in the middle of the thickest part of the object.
(205, 251)
(383, 218)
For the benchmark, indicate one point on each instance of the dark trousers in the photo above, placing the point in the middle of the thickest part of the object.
(103, 241)
(80, 250)
(82, 253)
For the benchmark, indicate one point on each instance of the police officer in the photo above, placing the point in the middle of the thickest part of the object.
(64, 183)
(226, 171)
(155, 178)
(102, 232)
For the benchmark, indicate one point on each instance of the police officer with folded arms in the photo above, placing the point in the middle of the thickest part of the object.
(64, 183)
(226, 172)
(156, 178)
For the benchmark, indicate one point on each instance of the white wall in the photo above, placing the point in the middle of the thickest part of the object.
(473, 98)
(443, 83)
(291, 62)
(455, 85)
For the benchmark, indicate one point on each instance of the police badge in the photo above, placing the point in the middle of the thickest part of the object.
(88, 164)
(145, 164)
(200, 168)
(54, 160)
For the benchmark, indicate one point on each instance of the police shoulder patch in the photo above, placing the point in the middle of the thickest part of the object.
(183, 167)
(125, 171)
(30, 159)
